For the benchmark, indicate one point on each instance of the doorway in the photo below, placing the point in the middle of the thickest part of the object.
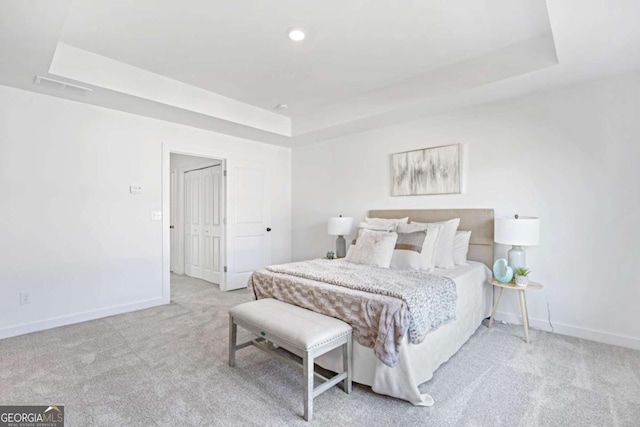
(246, 217)
(197, 217)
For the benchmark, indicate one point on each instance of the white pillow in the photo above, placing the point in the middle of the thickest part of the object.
(373, 248)
(427, 256)
(378, 226)
(444, 243)
(384, 222)
(461, 247)
(407, 254)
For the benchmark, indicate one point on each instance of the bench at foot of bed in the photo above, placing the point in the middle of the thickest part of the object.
(302, 332)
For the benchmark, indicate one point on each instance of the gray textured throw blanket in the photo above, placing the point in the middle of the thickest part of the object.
(427, 301)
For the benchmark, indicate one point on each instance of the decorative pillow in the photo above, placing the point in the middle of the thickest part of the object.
(373, 248)
(365, 226)
(444, 243)
(384, 222)
(461, 247)
(427, 255)
(407, 254)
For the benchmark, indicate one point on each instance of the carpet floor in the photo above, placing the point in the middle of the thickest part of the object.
(168, 366)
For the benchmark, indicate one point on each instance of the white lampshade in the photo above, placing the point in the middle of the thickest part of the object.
(523, 231)
(340, 226)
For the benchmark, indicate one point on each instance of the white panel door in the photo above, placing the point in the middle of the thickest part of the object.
(249, 217)
(193, 224)
(213, 224)
(204, 213)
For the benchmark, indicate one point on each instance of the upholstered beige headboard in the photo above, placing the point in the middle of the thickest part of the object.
(478, 221)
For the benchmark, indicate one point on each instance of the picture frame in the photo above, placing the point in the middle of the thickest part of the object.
(428, 171)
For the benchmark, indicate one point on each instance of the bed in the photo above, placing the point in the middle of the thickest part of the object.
(415, 363)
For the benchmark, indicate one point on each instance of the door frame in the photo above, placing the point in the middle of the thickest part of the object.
(169, 148)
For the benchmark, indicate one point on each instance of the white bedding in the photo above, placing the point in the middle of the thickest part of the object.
(417, 363)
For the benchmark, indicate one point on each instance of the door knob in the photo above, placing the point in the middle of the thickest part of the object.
(268, 228)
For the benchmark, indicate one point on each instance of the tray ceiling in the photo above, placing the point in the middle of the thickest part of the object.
(225, 65)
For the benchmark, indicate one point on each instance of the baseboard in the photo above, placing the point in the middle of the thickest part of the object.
(573, 331)
(42, 325)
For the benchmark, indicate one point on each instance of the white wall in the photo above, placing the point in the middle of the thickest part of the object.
(70, 232)
(569, 156)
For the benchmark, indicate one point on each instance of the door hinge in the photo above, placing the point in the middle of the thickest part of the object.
(225, 172)
(225, 268)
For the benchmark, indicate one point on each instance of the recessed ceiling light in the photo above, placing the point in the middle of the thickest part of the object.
(281, 107)
(296, 34)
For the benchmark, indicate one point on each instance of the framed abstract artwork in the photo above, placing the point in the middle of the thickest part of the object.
(428, 171)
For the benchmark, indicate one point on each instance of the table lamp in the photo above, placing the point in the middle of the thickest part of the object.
(340, 226)
(517, 231)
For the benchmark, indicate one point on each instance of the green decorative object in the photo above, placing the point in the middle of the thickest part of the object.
(502, 271)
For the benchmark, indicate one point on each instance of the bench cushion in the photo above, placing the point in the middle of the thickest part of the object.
(296, 326)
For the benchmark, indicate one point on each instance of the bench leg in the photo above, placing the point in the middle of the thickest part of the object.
(307, 368)
(347, 349)
(233, 334)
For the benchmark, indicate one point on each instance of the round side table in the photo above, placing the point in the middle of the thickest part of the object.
(532, 286)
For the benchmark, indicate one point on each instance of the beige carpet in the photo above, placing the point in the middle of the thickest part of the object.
(168, 366)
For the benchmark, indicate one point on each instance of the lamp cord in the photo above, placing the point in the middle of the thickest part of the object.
(548, 312)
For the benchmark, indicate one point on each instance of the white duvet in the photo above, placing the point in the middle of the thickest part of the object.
(417, 363)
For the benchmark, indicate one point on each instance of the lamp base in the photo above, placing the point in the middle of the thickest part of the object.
(517, 257)
(341, 247)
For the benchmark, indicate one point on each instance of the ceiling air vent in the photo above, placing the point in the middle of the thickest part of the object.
(67, 87)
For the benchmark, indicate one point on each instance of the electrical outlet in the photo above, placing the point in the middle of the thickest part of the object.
(25, 297)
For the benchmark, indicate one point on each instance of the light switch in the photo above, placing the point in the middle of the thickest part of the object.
(135, 189)
(156, 215)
